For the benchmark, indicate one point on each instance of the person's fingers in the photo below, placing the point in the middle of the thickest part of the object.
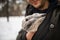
(29, 35)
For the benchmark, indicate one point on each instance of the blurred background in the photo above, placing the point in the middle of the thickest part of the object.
(11, 15)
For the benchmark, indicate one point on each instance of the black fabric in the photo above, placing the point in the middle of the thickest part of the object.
(44, 32)
(43, 28)
(21, 35)
(55, 32)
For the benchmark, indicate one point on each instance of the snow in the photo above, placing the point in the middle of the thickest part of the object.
(9, 30)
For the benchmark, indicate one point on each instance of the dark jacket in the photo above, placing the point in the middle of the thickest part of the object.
(55, 36)
(50, 27)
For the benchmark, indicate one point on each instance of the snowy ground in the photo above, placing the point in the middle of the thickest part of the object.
(9, 30)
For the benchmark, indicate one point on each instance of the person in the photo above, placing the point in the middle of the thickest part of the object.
(38, 6)
(33, 9)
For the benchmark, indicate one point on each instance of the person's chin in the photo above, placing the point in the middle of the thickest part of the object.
(36, 6)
